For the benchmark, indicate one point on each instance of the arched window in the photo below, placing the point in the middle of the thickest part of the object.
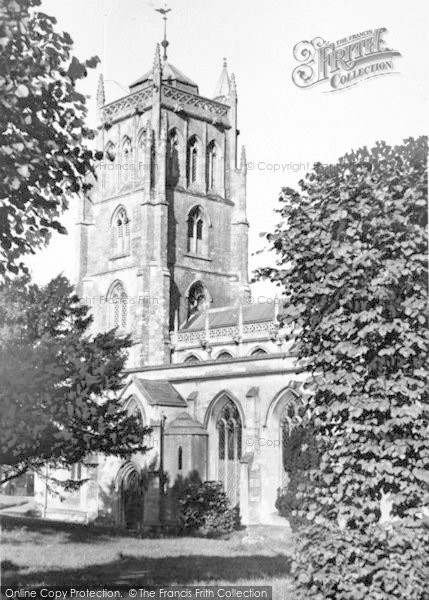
(224, 356)
(109, 165)
(134, 409)
(229, 450)
(197, 236)
(118, 306)
(141, 155)
(192, 160)
(212, 173)
(180, 458)
(173, 158)
(127, 165)
(197, 298)
(153, 165)
(258, 352)
(120, 232)
(191, 359)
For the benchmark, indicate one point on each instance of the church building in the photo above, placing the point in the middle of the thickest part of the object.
(163, 256)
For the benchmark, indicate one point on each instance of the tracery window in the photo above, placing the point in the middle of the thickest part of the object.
(118, 306)
(197, 235)
(229, 429)
(212, 166)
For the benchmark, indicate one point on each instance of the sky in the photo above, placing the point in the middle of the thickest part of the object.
(285, 128)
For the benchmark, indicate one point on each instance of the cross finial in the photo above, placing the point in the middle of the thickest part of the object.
(164, 11)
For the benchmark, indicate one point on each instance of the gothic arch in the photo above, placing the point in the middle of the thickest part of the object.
(193, 160)
(130, 495)
(127, 160)
(141, 152)
(279, 403)
(120, 230)
(258, 351)
(192, 358)
(175, 150)
(133, 405)
(195, 289)
(198, 227)
(224, 355)
(117, 305)
(213, 166)
(204, 211)
(218, 402)
(224, 421)
(109, 165)
(189, 288)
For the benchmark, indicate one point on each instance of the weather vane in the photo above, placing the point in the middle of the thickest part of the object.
(164, 12)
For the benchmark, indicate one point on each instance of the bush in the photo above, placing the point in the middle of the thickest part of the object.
(300, 455)
(205, 508)
(288, 504)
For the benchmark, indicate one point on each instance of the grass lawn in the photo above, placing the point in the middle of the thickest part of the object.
(37, 553)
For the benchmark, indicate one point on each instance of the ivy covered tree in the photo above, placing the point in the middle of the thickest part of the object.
(58, 384)
(352, 260)
(43, 153)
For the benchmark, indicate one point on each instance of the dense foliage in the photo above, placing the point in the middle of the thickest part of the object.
(43, 157)
(300, 455)
(57, 383)
(205, 509)
(352, 258)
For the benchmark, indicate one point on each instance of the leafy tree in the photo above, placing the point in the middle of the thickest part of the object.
(43, 157)
(351, 252)
(57, 383)
(300, 455)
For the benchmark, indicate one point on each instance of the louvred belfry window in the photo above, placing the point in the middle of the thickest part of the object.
(121, 232)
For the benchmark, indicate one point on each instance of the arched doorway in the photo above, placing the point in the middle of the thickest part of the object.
(229, 431)
(131, 497)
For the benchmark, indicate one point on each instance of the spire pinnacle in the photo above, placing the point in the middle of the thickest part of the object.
(164, 11)
(101, 97)
(243, 161)
(223, 84)
(233, 85)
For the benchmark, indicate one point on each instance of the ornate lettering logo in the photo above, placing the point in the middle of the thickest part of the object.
(343, 63)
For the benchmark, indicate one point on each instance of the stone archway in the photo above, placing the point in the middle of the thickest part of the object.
(130, 496)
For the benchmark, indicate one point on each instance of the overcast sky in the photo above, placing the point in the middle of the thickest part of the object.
(279, 122)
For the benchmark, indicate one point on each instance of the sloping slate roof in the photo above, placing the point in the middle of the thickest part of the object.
(184, 424)
(169, 71)
(228, 316)
(161, 392)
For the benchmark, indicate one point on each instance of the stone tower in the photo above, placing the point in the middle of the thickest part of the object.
(163, 231)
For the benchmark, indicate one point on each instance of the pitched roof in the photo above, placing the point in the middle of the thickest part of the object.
(184, 424)
(169, 73)
(160, 392)
(227, 316)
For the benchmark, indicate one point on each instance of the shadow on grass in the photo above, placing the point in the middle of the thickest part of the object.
(73, 532)
(185, 569)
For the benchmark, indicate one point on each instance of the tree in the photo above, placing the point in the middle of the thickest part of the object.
(351, 255)
(43, 156)
(58, 385)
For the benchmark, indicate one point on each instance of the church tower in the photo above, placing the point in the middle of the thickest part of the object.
(163, 232)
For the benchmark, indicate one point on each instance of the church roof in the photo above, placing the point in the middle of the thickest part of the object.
(228, 316)
(160, 392)
(184, 424)
(170, 74)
